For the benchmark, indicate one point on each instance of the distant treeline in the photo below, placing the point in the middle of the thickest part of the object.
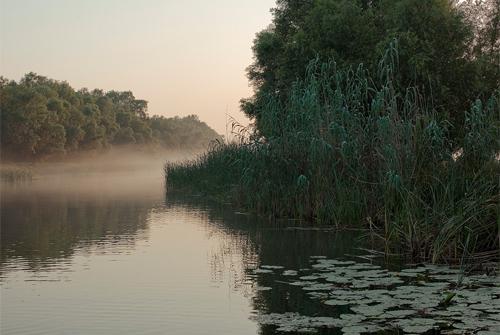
(42, 117)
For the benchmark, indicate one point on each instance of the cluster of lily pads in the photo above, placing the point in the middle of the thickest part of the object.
(365, 298)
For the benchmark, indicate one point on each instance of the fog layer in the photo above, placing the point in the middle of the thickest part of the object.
(117, 174)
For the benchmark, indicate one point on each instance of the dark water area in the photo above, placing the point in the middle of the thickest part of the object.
(103, 252)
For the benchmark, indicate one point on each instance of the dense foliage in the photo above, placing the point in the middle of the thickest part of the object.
(41, 117)
(359, 149)
(384, 114)
(448, 50)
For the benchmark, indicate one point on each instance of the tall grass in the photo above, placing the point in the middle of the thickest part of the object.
(15, 173)
(352, 148)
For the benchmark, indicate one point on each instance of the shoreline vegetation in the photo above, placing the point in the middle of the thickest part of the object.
(15, 173)
(378, 159)
(45, 120)
(405, 144)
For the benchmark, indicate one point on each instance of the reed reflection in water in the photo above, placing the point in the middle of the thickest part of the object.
(93, 255)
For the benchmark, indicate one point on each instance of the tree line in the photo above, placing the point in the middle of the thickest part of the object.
(42, 117)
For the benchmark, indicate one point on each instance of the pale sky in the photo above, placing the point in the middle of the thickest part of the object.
(183, 56)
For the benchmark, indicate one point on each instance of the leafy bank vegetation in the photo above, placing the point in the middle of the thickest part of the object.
(42, 117)
(406, 145)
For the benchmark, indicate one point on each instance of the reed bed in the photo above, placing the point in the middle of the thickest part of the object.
(15, 173)
(351, 148)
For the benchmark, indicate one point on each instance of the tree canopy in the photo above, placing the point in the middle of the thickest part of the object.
(449, 50)
(42, 116)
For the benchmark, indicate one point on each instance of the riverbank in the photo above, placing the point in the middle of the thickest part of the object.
(349, 148)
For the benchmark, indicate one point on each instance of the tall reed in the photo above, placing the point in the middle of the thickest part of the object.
(352, 148)
(14, 174)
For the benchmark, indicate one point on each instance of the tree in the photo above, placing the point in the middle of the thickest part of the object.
(42, 117)
(434, 39)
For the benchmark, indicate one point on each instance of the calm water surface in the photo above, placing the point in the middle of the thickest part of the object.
(98, 252)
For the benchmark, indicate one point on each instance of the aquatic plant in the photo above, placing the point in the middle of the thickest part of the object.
(365, 298)
(352, 148)
(14, 173)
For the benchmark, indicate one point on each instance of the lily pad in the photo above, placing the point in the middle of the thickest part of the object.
(272, 267)
(336, 302)
(409, 300)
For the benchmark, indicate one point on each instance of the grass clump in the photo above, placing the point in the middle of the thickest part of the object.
(15, 174)
(348, 147)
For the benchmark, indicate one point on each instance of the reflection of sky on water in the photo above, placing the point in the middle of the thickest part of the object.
(153, 270)
(101, 253)
(89, 254)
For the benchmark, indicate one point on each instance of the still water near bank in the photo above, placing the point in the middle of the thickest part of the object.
(106, 252)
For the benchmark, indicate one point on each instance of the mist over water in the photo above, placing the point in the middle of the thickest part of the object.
(95, 245)
(119, 173)
(90, 247)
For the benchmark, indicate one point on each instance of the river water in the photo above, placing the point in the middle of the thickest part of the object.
(99, 246)
(108, 251)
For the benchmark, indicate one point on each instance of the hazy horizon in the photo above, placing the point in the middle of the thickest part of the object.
(183, 58)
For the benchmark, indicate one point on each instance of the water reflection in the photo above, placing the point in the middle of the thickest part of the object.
(101, 254)
(260, 242)
(41, 233)
(98, 260)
